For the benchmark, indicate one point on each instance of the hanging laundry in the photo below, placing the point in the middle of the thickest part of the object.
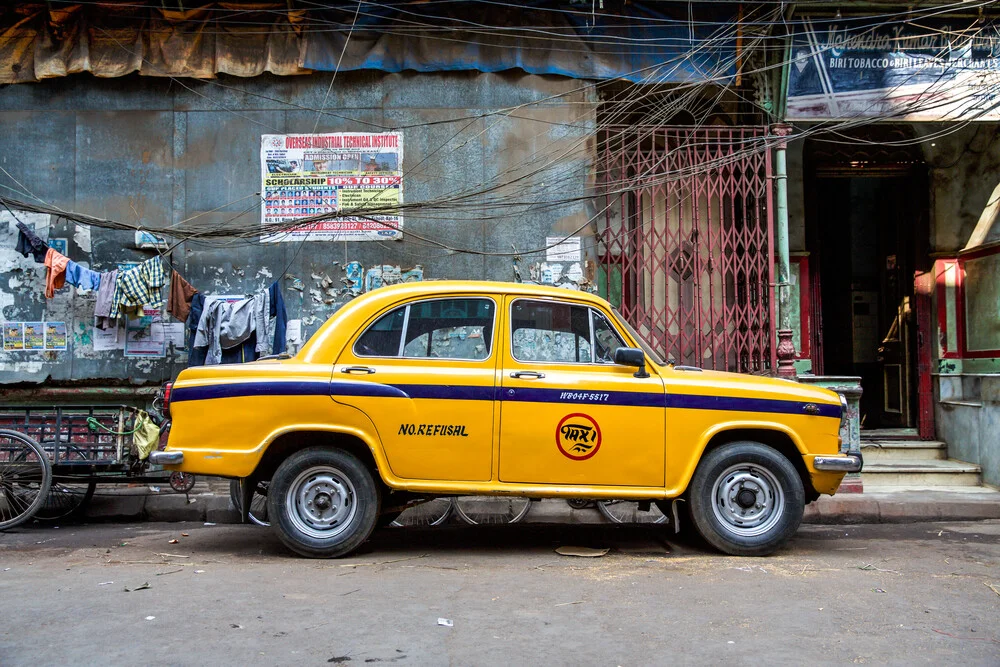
(82, 277)
(196, 355)
(239, 331)
(262, 321)
(105, 294)
(277, 311)
(207, 334)
(137, 287)
(236, 322)
(179, 297)
(29, 243)
(55, 272)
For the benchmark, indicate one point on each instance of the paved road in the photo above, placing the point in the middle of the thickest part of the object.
(898, 594)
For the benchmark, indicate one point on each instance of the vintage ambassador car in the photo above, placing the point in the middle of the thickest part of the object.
(462, 388)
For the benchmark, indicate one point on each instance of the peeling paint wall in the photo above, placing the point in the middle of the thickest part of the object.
(152, 151)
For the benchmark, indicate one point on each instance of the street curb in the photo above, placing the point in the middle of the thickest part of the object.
(909, 507)
(166, 507)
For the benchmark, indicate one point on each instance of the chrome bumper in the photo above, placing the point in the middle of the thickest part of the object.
(849, 463)
(166, 458)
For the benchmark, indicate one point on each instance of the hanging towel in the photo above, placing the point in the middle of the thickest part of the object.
(55, 272)
(179, 297)
(82, 277)
(29, 243)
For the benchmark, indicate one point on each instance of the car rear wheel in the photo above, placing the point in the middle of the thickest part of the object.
(746, 499)
(323, 503)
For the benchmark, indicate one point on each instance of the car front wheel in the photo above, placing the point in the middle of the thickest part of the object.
(746, 499)
(323, 503)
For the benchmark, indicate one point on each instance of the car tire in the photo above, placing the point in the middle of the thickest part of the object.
(323, 503)
(746, 499)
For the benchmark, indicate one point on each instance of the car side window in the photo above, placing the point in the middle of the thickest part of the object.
(450, 329)
(382, 338)
(434, 329)
(606, 339)
(550, 331)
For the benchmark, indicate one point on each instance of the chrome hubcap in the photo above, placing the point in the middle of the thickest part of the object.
(321, 502)
(748, 500)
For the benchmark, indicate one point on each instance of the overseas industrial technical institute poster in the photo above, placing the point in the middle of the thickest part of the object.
(304, 175)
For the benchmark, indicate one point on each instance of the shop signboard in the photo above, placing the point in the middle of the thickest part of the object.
(357, 175)
(927, 70)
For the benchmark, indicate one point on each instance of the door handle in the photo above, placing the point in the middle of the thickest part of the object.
(530, 375)
(357, 369)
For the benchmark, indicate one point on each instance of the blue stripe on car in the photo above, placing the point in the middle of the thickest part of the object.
(480, 393)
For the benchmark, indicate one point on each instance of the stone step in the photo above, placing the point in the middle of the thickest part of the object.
(920, 473)
(875, 451)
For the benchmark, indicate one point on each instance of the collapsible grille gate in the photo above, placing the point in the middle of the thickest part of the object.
(685, 242)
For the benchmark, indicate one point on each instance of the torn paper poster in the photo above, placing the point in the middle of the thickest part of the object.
(82, 238)
(112, 338)
(173, 334)
(561, 249)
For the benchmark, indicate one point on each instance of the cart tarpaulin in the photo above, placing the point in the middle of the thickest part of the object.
(146, 435)
(41, 41)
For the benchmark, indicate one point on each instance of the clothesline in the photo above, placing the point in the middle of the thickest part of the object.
(222, 333)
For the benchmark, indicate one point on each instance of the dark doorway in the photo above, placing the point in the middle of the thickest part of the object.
(867, 230)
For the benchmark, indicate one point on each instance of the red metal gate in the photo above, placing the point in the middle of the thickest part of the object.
(686, 244)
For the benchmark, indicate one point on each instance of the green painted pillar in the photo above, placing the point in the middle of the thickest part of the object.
(786, 349)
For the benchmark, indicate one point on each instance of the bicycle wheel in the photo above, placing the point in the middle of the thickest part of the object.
(258, 503)
(67, 496)
(25, 478)
(434, 512)
(627, 511)
(492, 509)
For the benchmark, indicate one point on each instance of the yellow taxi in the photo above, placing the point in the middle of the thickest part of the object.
(433, 389)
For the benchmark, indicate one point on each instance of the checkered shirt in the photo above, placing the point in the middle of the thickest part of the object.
(138, 286)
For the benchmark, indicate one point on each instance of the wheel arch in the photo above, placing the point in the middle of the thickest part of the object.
(295, 439)
(783, 440)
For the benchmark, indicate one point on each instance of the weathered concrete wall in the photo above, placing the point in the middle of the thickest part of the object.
(964, 172)
(156, 151)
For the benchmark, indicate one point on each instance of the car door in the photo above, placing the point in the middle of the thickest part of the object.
(568, 414)
(424, 373)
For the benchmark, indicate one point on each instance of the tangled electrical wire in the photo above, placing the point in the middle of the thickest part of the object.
(550, 178)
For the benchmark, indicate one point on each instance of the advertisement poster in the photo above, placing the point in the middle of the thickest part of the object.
(55, 335)
(144, 335)
(304, 175)
(34, 335)
(13, 336)
(941, 69)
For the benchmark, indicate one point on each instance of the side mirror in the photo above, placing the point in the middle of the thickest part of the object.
(630, 356)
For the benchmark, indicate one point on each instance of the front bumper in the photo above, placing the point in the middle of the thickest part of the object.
(848, 463)
(166, 458)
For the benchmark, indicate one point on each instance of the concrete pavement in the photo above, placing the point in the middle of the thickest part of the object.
(232, 595)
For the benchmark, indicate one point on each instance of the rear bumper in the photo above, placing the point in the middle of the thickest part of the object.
(166, 458)
(848, 463)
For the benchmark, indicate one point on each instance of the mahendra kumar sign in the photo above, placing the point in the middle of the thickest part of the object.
(357, 174)
(937, 70)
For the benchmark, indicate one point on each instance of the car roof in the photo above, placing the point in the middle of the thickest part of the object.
(432, 287)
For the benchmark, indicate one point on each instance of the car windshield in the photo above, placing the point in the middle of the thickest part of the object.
(650, 352)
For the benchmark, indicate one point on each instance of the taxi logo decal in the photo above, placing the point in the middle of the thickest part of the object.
(578, 436)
